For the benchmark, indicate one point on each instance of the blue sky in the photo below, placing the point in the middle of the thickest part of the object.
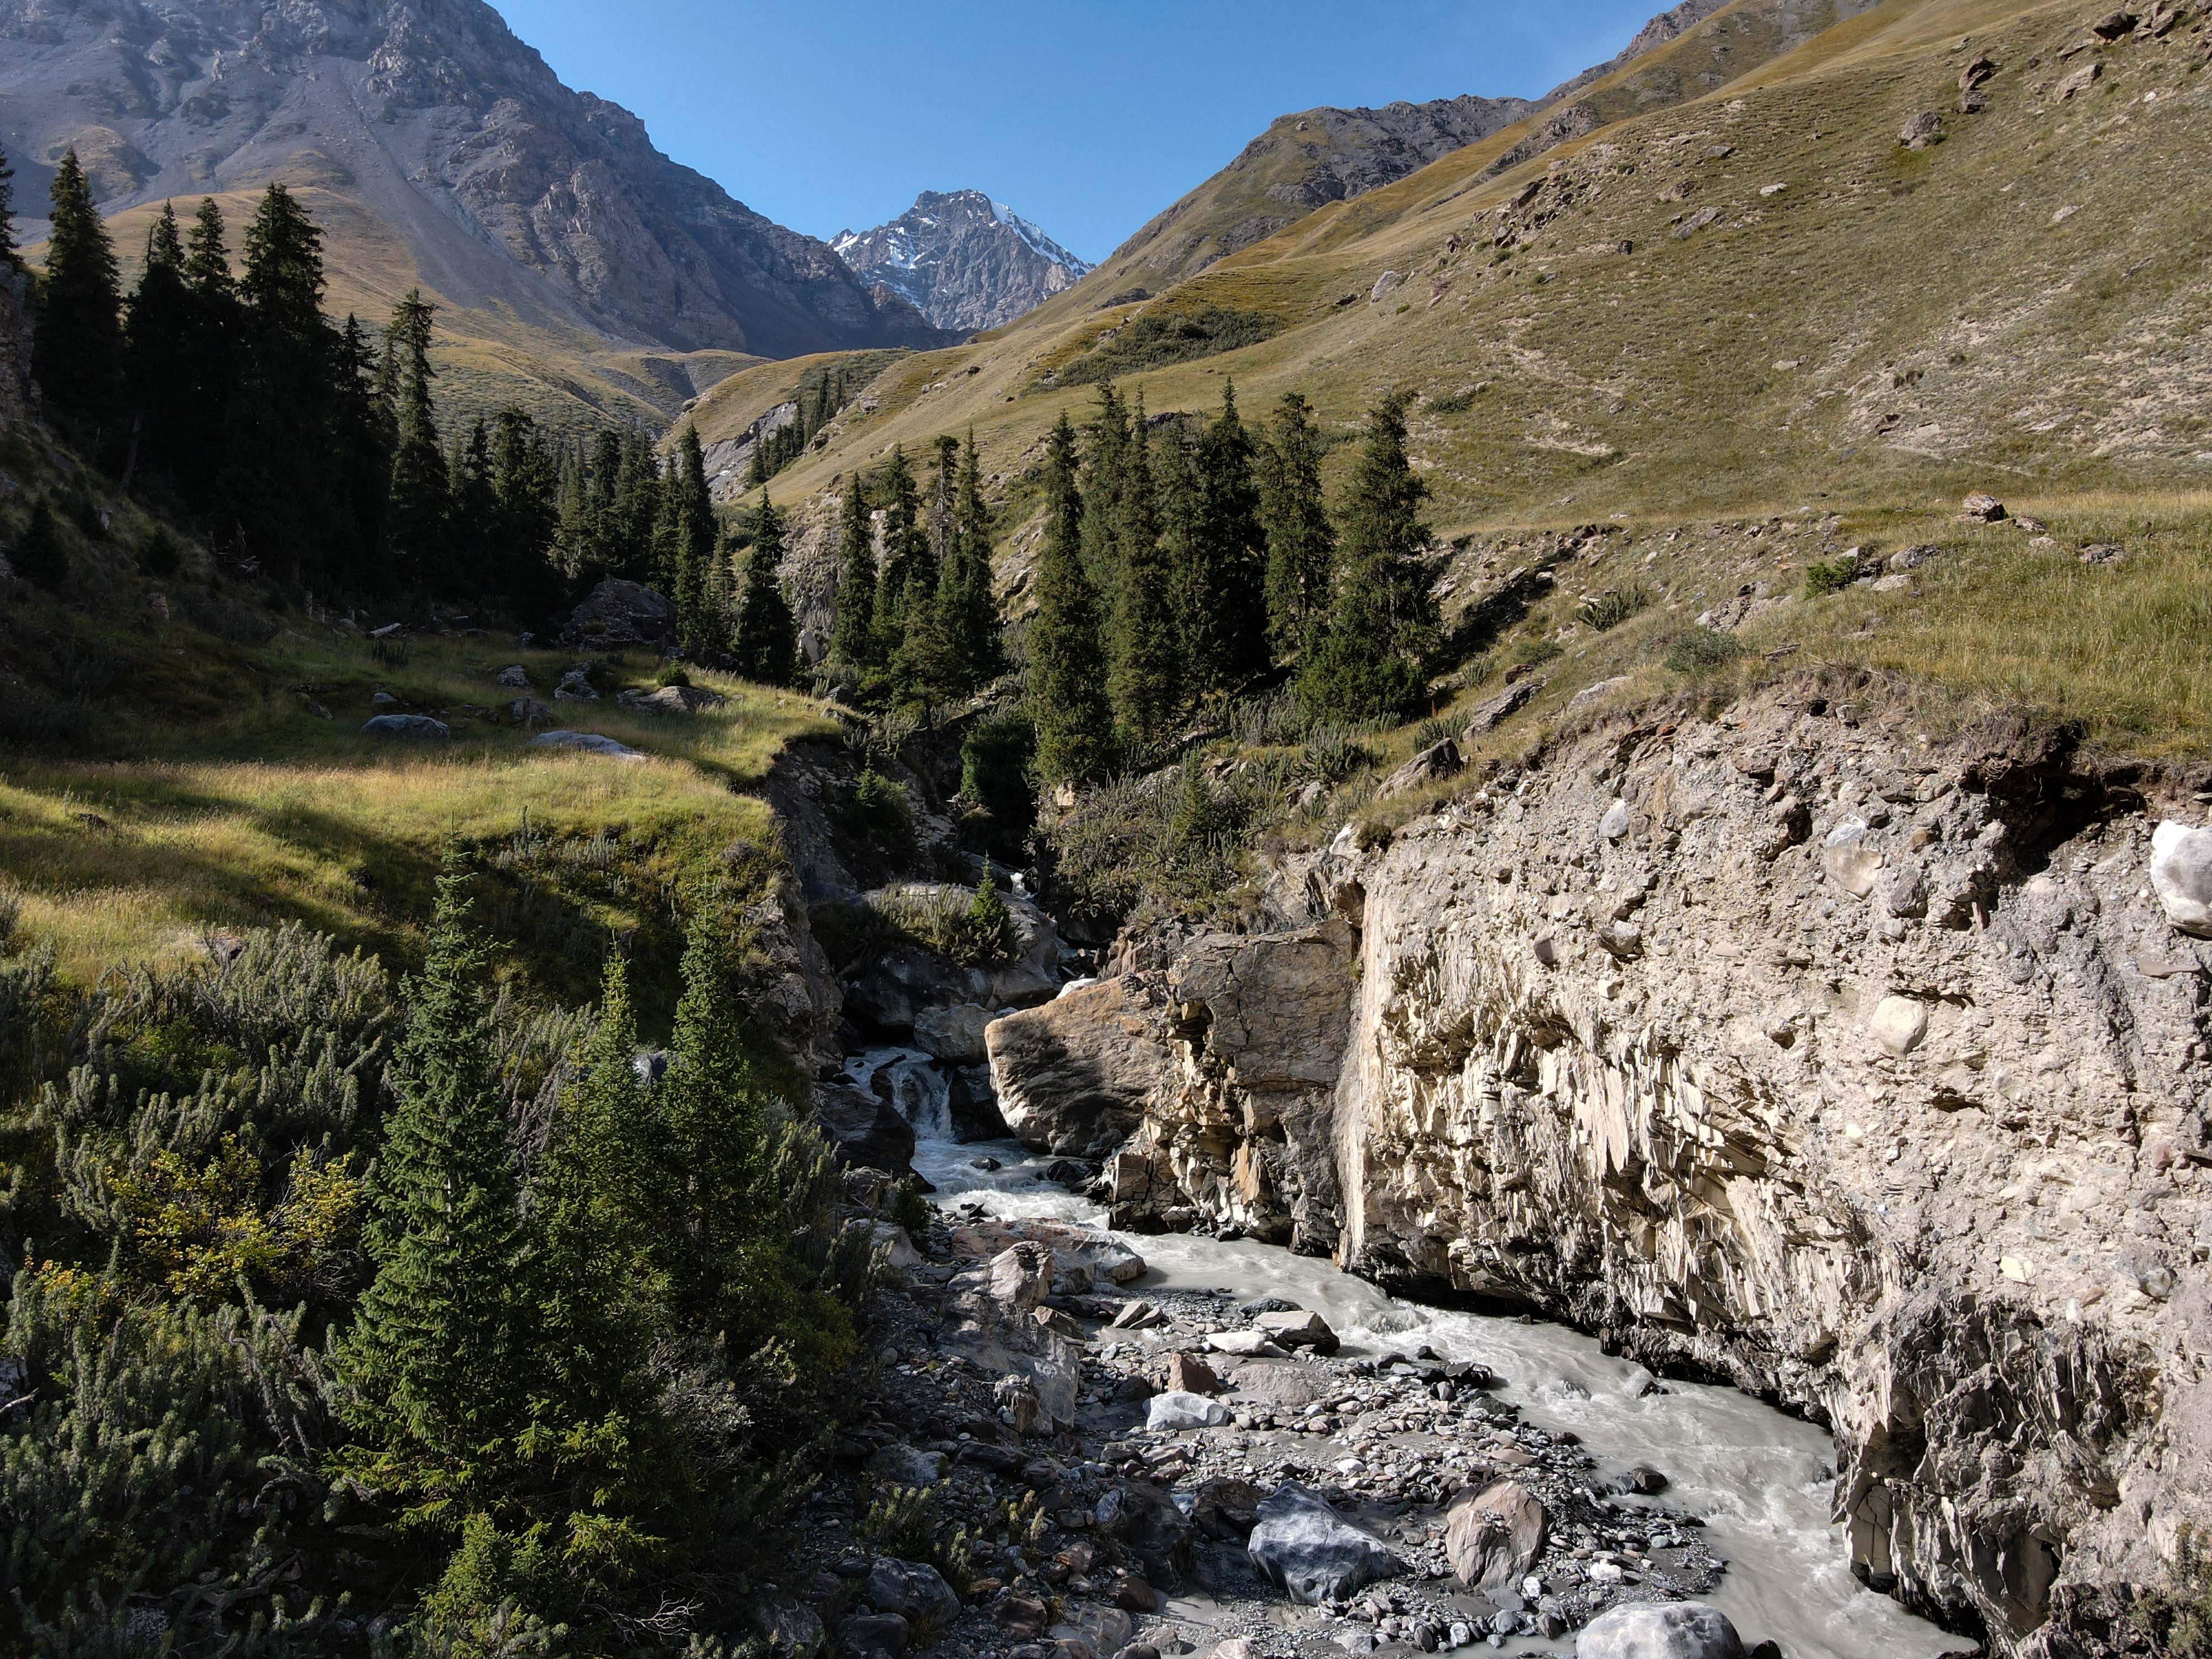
(1088, 118)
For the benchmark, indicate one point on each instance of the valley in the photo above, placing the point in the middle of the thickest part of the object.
(1466, 909)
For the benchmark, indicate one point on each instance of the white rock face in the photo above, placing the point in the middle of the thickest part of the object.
(2181, 876)
(1709, 1150)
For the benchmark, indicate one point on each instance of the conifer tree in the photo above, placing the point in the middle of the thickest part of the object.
(472, 543)
(1105, 481)
(213, 344)
(942, 520)
(852, 631)
(363, 435)
(76, 355)
(695, 535)
(1300, 542)
(765, 641)
(1384, 622)
(158, 368)
(8, 259)
(525, 488)
(967, 605)
(1146, 651)
(905, 566)
(637, 512)
(422, 489)
(1066, 690)
(434, 1369)
(1222, 581)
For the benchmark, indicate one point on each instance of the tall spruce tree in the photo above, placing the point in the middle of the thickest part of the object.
(967, 603)
(1383, 626)
(1223, 580)
(853, 630)
(434, 1370)
(1067, 683)
(905, 565)
(364, 437)
(214, 344)
(1145, 646)
(765, 641)
(419, 521)
(697, 536)
(1301, 541)
(526, 485)
(1107, 451)
(158, 351)
(278, 492)
(636, 513)
(76, 355)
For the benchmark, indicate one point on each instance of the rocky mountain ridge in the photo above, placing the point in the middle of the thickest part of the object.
(508, 189)
(962, 261)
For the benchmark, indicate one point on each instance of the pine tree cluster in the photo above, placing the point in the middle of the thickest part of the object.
(822, 396)
(1186, 559)
(916, 618)
(542, 1366)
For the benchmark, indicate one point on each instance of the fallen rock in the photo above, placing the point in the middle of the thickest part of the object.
(1677, 1630)
(529, 713)
(1189, 1374)
(1137, 1316)
(1922, 131)
(1438, 761)
(1298, 1330)
(908, 1465)
(1226, 1508)
(1177, 1410)
(575, 687)
(1148, 1521)
(1489, 716)
(1590, 694)
(1982, 507)
(866, 1132)
(586, 743)
(868, 1634)
(516, 677)
(2181, 876)
(673, 700)
(1495, 1534)
(953, 1034)
(1310, 1551)
(1021, 1275)
(1851, 863)
(409, 728)
(792, 1630)
(914, 1589)
(1899, 1024)
(2102, 553)
(1074, 1076)
(618, 613)
(1252, 1344)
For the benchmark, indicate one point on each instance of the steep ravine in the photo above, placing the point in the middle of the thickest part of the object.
(1803, 1048)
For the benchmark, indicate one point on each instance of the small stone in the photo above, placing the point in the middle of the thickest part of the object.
(1982, 507)
(1021, 1275)
(515, 677)
(2102, 553)
(1924, 129)
(1899, 1025)
(1615, 824)
(1677, 1630)
(412, 729)
(1177, 1410)
(1189, 1374)
(1298, 1329)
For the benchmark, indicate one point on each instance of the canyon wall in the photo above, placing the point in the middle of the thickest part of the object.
(1804, 1050)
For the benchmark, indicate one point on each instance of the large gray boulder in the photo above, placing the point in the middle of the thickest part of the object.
(1073, 1078)
(1175, 1410)
(408, 728)
(1152, 1527)
(586, 743)
(865, 1131)
(953, 1034)
(1494, 1535)
(616, 613)
(1313, 1554)
(915, 1590)
(905, 981)
(1673, 1630)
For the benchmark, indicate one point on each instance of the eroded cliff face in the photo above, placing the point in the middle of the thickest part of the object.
(1793, 1049)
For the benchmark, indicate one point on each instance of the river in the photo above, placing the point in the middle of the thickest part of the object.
(1762, 1480)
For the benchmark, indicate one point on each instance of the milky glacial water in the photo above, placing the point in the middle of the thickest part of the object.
(1760, 1479)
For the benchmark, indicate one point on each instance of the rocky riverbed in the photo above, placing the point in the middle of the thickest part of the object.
(1122, 1460)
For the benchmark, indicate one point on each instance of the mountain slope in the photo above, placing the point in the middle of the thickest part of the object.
(511, 195)
(962, 261)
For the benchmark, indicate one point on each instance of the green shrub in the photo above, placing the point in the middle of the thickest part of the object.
(672, 674)
(1536, 650)
(38, 555)
(160, 553)
(1608, 611)
(911, 1211)
(2177, 1619)
(877, 813)
(1829, 576)
(1437, 728)
(1701, 650)
(994, 761)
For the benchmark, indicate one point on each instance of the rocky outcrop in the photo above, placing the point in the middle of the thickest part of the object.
(616, 613)
(1076, 1076)
(1796, 1049)
(965, 261)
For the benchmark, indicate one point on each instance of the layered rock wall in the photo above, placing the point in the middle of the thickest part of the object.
(1803, 1050)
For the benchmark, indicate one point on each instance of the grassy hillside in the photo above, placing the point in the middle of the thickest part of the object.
(181, 756)
(1756, 304)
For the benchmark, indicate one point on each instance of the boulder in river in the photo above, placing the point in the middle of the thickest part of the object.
(1298, 1330)
(1074, 1076)
(1311, 1552)
(1673, 1630)
(1494, 1535)
(865, 1132)
(1021, 1275)
(1177, 1410)
(953, 1034)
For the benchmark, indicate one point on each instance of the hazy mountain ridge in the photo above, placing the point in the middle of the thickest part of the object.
(965, 261)
(510, 190)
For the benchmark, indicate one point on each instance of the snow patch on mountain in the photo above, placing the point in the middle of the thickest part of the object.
(965, 260)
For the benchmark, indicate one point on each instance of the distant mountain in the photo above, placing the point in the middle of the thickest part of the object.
(962, 261)
(510, 192)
